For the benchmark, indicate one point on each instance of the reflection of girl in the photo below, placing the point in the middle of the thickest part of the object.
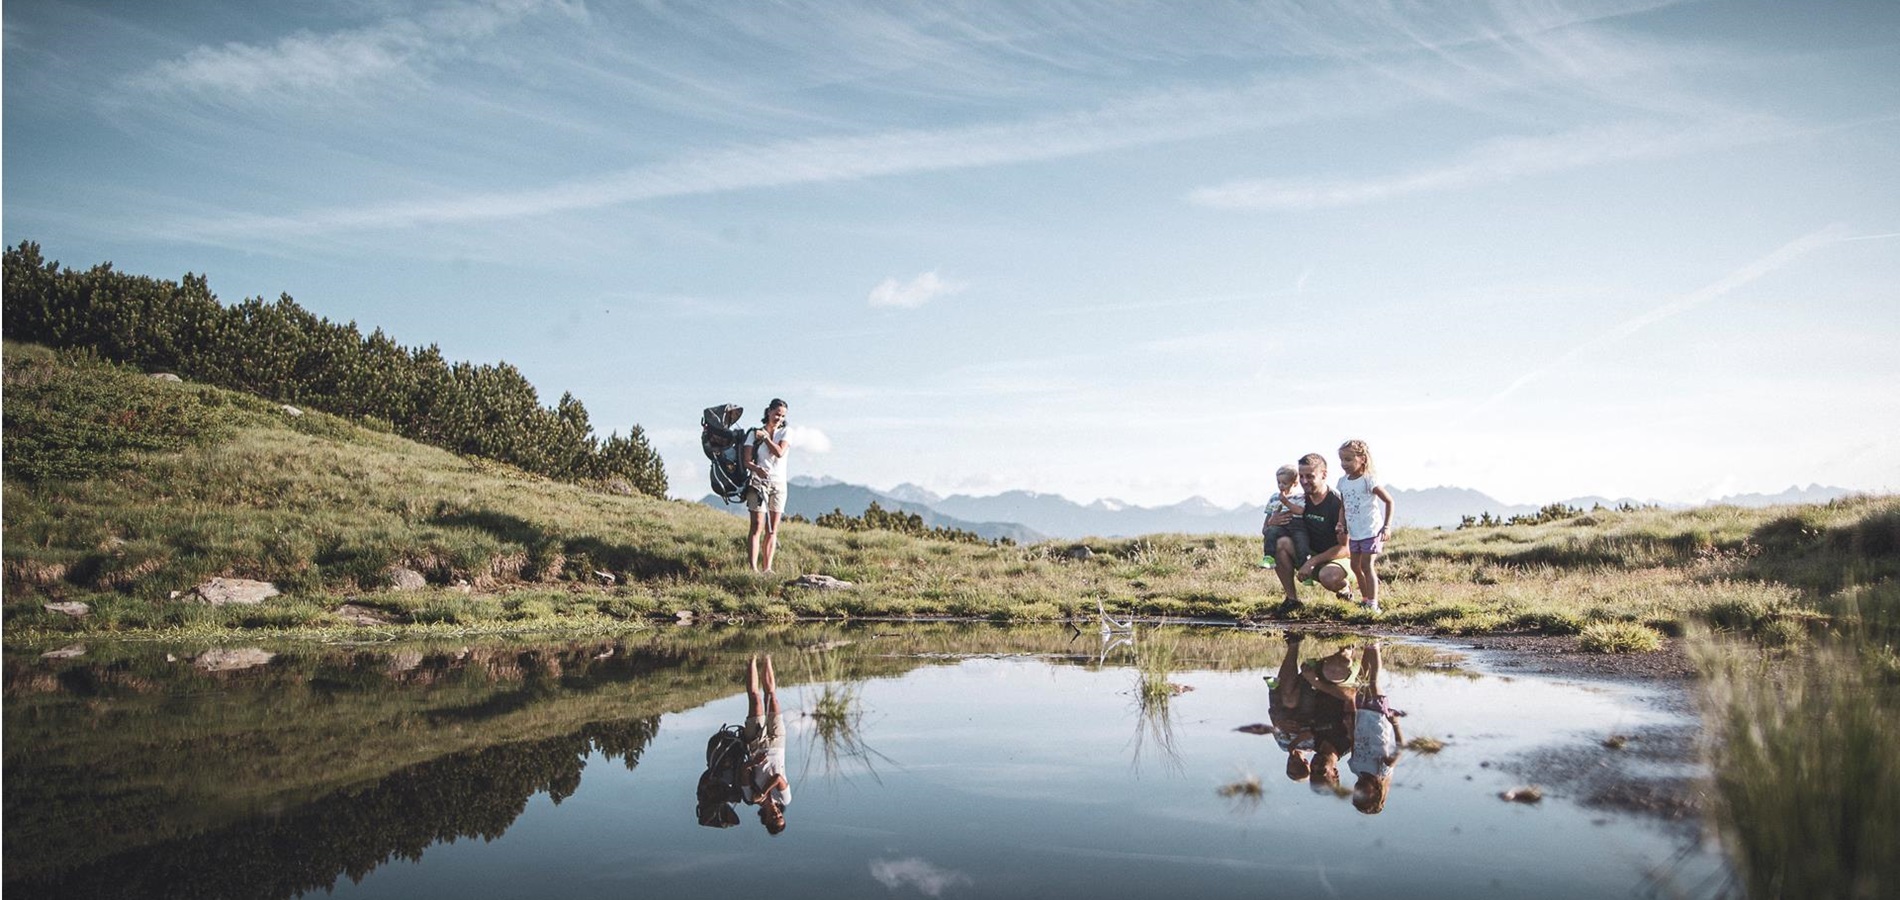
(764, 457)
(1376, 740)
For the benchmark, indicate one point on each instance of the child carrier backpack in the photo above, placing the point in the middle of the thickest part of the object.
(724, 444)
(719, 785)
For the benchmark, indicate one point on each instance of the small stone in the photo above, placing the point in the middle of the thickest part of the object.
(402, 578)
(821, 582)
(292, 411)
(75, 609)
(357, 614)
(1527, 794)
(71, 651)
(684, 616)
(1080, 552)
(167, 377)
(605, 577)
(241, 591)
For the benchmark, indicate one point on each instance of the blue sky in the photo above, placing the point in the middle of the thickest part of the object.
(1127, 250)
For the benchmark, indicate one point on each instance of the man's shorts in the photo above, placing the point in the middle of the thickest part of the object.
(1369, 545)
(1344, 570)
(765, 496)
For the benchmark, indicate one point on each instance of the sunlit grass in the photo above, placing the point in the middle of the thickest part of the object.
(1806, 760)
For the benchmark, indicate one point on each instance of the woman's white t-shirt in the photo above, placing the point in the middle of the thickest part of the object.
(772, 463)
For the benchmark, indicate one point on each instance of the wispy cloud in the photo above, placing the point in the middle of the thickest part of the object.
(1782, 256)
(308, 63)
(929, 880)
(1498, 161)
(915, 292)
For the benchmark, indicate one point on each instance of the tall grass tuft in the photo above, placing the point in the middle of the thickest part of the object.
(1806, 760)
(1619, 637)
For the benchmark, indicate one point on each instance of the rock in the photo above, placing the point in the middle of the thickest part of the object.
(292, 411)
(821, 582)
(1080, 552)
(1528, 794)
(605, 577)
(618, 486)
(406, 579)
(167, 377)
(242, 591)
(356, 614)
(684, 616)
(75, 609)
(223, 660)
(70, 651)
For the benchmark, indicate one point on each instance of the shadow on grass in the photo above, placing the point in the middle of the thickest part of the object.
(542, 544)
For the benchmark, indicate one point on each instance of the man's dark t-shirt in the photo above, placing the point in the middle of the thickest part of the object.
(1322, 521)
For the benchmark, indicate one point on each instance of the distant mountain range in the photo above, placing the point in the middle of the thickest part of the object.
(1027, 516)
(813, 497)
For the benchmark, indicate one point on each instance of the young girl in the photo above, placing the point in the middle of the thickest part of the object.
(1367, 526)
(1376, 740)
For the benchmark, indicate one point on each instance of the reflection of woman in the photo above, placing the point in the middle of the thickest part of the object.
(764, 781)
(764, 456)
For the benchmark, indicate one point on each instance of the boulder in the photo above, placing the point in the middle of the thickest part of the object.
(1080, 552)
(821, 583)
(167, 377)
(292, 411)
(606, 578)
(75, 609)
(231, 660)
(242, 591)
(71, 651)
(402, 578)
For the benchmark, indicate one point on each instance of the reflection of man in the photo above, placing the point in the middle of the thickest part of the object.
(1291, 711)
(1324, 531)
(763, 781)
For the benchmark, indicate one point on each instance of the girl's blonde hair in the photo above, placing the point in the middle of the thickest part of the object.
(1359, 448)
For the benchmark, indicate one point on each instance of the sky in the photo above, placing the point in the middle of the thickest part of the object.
(1139, 251)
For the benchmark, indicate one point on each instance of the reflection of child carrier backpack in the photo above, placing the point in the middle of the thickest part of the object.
(719, 785)
(725, 445)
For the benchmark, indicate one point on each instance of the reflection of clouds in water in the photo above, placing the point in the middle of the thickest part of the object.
(915, 872)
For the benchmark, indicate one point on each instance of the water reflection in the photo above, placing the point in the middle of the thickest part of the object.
(372, 772)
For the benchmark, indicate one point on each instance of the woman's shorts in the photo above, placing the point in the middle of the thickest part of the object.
(1369, 545)
(765, 496)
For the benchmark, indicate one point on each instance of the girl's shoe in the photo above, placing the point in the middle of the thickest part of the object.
(1373, 607)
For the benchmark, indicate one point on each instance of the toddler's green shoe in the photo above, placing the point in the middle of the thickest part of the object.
(1266, 562)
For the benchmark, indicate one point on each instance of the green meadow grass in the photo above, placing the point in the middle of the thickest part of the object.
(324, 508)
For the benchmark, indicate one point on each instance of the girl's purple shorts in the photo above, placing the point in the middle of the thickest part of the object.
(1369, 545)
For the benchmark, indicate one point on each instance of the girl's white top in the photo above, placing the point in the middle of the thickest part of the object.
(1373, 742)
(1365, 514)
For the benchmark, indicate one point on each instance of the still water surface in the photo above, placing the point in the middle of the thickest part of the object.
(966, 762)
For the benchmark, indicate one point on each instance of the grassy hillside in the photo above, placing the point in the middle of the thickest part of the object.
(121, 490)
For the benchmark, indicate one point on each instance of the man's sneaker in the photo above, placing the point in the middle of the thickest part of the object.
(1266, 562)
(1288, 605)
